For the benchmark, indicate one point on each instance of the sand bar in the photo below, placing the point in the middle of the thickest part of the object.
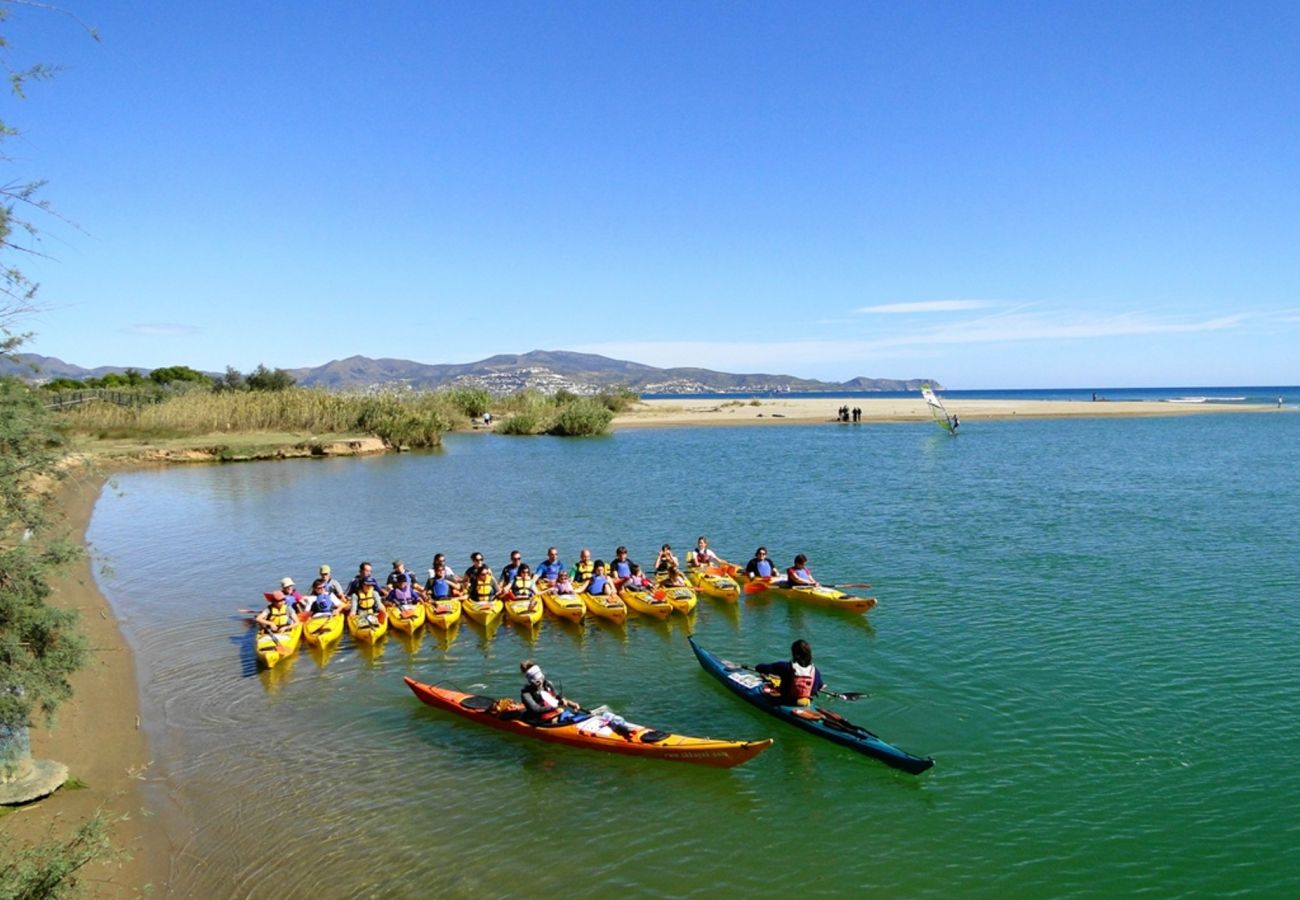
(805, 410)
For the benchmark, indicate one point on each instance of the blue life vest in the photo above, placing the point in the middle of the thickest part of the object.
(322, 605)
(596, 585)
(622, 568)
(764, 569)
(440, 587)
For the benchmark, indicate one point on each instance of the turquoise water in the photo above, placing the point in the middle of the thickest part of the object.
(1090, 624)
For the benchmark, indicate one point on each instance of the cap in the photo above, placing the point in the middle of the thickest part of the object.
(286, 582)
(324, 570)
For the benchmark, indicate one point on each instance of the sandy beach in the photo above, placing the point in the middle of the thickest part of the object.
(97, 734)
(804, 410)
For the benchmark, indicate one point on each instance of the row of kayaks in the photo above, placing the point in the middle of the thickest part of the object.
(594, 730)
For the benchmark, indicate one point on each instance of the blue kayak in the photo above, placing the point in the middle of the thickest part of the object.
(816, 719)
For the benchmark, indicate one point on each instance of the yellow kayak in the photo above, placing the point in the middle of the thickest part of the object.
(321, 631)
(443, 613)
(524, 612)
(407, 620)
(818, 595)
(271, 648)
(607, 606)
(714, 582)
(564, 606)
(646, 603)
(368, 627)
(681, 599)
(485, 612)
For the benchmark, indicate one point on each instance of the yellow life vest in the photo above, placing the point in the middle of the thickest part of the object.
(584, 569)
(366, 599)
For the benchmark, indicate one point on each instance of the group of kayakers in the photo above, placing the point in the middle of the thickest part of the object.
(401, 589)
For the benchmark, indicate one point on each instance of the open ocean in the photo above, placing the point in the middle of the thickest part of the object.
(1091, 624)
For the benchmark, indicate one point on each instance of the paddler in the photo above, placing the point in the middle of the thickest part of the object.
(550, 568)
(440, 585)
(666, 559)
(440, 559)
(363, 577)
(673, 577)
(543, 703)
(563, 583)
(637, 581)
(599, 583)
(291, 595)
(277, 618)
(620, 568)
(331, 583)
(324, 602)
(800, 680)
(480, 586)
(760, 566)
(798, 574)
(702, 556)
(399, 575)
(365, 601)
(508, 571)
(583, 568)
(520, 587)
(403, 592)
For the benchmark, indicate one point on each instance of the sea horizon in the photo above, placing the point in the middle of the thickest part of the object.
(1245, 394)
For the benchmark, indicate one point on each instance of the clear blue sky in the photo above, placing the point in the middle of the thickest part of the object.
(1042, 194)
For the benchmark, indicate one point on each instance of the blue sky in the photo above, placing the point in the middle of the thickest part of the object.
(1043, 194)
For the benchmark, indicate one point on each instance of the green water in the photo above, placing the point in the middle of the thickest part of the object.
(1090, 625)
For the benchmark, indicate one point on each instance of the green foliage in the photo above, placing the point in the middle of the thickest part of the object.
(582, 417)
(29, 445)
(263, 379)
(52, 870)
(171, 374)
(618, 399)
(472, 402)
(520, 423)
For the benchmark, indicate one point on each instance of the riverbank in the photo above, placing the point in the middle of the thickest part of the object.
(97, 732)
(805, 410)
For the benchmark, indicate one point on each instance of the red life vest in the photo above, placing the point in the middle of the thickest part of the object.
(801, 690)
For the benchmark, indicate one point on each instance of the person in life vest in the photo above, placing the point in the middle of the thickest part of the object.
(666, 559)
(620, 567)
(584, 567)
(277, 618)
(563, 583)
(324, 602)
(760, 566)
(521, 586)
(331, 583)
(599, 583)
(798, 574)
(638, 581)
(549, 569)
(543, 703)
(296, 601)
(701, 555)
(800, 680)
(400, 576)
(673, 577)
(441, 584)
(440, 559)
(480, 586)
(366, 602)
(363, 577)
(404, 593)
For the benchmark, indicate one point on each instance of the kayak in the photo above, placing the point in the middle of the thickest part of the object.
(646, 603)
(594, 731)
(485, 612)
(271, 649)
(818, 595)
(564, 606)
(442, 613)
(714, 582)
(321, 631)
(407, 620)
(368, 628)
(607, 606)
(524, 612)
(681, 599)
(815, 719)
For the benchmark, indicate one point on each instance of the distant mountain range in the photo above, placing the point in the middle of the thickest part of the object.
(545, 370)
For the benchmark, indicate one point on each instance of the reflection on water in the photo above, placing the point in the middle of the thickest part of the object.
(1042, 631)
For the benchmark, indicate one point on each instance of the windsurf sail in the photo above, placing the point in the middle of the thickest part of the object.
(944, 419)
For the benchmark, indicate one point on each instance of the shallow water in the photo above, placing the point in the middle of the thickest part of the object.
(1090, 624)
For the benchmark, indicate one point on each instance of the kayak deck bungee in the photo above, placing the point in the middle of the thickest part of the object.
(368, 628)
(681, 599)
(592, 731)
(442, 613)
(564, 606)
(321, 631)
(646, 603)
(714, 582)
(408, 620)
(814, 719)
(271, 649)
(524, 612)
(484, 612)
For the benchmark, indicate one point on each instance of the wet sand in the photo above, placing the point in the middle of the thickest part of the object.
(804, 410)
(97, 733)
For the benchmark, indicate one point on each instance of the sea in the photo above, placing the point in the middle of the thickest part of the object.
(1090, 624)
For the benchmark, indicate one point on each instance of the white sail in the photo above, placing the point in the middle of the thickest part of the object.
(942, 417)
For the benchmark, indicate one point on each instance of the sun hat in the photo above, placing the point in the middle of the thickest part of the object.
(324, 570)
(286, 582)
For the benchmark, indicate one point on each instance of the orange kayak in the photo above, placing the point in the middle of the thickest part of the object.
(591, 730)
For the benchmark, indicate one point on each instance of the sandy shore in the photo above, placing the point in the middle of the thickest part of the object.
(899, 409)
(97, 734)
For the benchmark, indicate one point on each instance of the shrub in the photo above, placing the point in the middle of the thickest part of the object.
(472, 402)
(618, 400)
(582, 417)
(521, 423)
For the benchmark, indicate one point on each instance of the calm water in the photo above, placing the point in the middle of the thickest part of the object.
(1091, 624)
